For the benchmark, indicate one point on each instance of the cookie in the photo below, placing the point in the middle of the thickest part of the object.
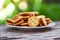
(30, 19)
(24, 24)
(25, 17)
(18, 19)
(49, 21)
(40, 21)
(41, 16)
(34, 13)
(18, 23)
(10, 21)
(25, 14)
(29, 13)
(33, 21)
(43, 21)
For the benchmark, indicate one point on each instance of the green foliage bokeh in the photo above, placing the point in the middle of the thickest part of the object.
(51, 10)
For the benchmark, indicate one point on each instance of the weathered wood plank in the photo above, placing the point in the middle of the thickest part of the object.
(13, 33)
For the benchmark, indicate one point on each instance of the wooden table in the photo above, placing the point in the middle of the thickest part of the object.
(8, 33)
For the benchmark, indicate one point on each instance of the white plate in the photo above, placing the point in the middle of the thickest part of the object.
(49, 25)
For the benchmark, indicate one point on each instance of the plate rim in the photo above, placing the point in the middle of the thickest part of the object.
(49, 25)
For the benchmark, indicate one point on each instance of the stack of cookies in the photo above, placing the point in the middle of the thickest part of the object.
(31, 19)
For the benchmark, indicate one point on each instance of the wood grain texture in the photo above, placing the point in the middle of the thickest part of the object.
(25, 34)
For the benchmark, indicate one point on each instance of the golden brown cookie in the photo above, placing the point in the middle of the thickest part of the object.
(24, 24)
(18, 19)
(49, 21)
(33, 21)
(10, 21)
(43, 21)
(41, 16)
(29, 13)
(29, 19)
(40, 21)
(25, 14)
(25, 17)
(19, 22)
(34, 13)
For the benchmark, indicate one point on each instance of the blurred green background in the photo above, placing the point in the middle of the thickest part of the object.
(49, 8)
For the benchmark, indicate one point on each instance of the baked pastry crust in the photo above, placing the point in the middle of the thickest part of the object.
(29, 19)
(33, 21)
(19, 22)
(29, 13)
(48, 20)
(42, 20)
(24, 24)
